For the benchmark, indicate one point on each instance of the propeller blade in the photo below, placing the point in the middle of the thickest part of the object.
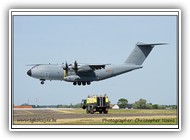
(65, 67)
(75, 65)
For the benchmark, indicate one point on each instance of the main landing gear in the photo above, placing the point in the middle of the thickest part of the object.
(83, 83)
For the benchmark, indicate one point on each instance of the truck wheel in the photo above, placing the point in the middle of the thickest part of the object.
(105, 112)
(87, 111)
(100, 112)
(92, 111)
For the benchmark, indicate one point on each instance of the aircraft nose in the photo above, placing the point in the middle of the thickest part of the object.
(29, 72)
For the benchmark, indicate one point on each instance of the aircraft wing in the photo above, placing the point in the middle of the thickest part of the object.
(96, 67)
(91, 67)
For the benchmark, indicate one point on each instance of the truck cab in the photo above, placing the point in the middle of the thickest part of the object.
(96, 104)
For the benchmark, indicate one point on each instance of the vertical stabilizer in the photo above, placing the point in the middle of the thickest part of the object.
(140, 53)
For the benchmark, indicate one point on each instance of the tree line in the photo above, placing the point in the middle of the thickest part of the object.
(54, 106)
(142, 104)
(122, 103)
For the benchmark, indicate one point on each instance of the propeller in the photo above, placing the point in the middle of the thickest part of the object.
(65, 67)
(75, 66)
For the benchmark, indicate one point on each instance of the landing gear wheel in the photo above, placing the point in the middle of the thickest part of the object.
(83, 83)
(88, 83)
(79, 83)
(42, 82)
(74, 83)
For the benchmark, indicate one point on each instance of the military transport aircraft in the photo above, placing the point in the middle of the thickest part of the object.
(87, 73)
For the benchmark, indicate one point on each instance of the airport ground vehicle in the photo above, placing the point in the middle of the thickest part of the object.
(96, 104)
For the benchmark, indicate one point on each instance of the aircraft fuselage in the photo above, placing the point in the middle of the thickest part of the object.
(56, 72)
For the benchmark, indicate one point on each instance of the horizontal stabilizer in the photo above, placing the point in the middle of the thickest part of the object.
(152, 45)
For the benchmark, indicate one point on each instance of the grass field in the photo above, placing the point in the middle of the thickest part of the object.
(125, 111)
(142, 111)
(114, 117)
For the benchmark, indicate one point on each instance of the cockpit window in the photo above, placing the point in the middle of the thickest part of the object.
(35, 66)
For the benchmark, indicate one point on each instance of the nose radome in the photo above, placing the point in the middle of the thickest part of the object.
(29, 72)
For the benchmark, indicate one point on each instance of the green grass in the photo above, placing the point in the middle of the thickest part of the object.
(124, 111)
(143, 111)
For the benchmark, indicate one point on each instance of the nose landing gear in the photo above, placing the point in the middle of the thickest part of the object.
(42, 81)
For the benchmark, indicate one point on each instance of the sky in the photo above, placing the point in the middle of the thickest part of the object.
(99, 40)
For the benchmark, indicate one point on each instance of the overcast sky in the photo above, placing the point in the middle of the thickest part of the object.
(95, 39)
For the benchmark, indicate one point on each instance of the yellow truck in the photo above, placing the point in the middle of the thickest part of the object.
(96, 104)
